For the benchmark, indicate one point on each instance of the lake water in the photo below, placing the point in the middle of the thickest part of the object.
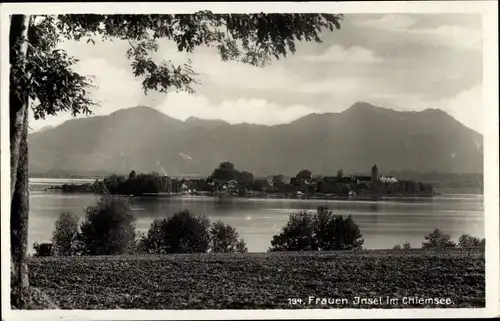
(382, 223)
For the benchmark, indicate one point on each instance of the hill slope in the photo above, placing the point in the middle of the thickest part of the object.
(144, 139)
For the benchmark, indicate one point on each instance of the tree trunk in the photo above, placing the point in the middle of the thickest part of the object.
(19, 166)
(18, 100)
(19, 214)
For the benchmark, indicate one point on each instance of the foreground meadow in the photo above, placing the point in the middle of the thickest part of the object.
(262, 280)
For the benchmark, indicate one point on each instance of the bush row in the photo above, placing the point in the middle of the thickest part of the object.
(109, 229)
(439, 240)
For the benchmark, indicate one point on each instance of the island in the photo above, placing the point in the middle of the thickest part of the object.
(227, 181)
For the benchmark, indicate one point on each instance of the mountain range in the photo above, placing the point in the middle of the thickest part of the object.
(144, 139)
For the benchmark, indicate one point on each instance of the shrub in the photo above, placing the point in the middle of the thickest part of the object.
(155, 240)
(143, 183)
(43, 249)
(304, 174)
(108, 228)
(336, 232)
(134, 184)
(466, 242)
(241, 246)
(438, 240)
(224, 239)
(113, 182)
(184, 232)
(406, 245)
(141, 246)
(322, 231)
(65, 236)
(296, 235)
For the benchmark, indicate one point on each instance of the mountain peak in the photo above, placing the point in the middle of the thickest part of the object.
(44, 128)
(136, 109)
(362, 106)
(435, 111)
(202, 121)
(145, 113)
(193, 119)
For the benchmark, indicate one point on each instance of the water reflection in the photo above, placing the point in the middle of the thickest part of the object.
(374, 207)
(383, 224)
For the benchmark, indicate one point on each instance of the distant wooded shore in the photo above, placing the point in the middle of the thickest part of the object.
(227, 181)
(86, 188)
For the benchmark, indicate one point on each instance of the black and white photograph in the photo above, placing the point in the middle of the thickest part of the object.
(249, 160)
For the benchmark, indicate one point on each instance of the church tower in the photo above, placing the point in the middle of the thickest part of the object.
(374, 173)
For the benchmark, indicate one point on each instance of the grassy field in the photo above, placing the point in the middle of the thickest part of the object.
(263, 280)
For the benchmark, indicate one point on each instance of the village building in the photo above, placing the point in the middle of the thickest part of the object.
(185, 188)
(387, 179)
(362, 179)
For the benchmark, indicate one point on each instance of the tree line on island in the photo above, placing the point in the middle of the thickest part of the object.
(109, 229)
(227, 180)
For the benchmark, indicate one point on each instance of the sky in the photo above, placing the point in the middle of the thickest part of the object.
(406, 62)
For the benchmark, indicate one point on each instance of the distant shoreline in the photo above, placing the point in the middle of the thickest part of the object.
(332, 197)
(305, 198)
(80, 185)
(278, 197)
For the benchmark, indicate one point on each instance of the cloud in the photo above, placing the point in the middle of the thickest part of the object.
(392, 96)
(454, 36)
(450, 32)
(233, 74)
(116, 89)
(337, 53)
(389, 22)
(335, 87)
(466, 106)
(259, 111)
(346, 88)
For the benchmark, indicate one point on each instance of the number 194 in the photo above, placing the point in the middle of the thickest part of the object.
(295, 301)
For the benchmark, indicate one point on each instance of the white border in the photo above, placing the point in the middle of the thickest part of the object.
(488, 9)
